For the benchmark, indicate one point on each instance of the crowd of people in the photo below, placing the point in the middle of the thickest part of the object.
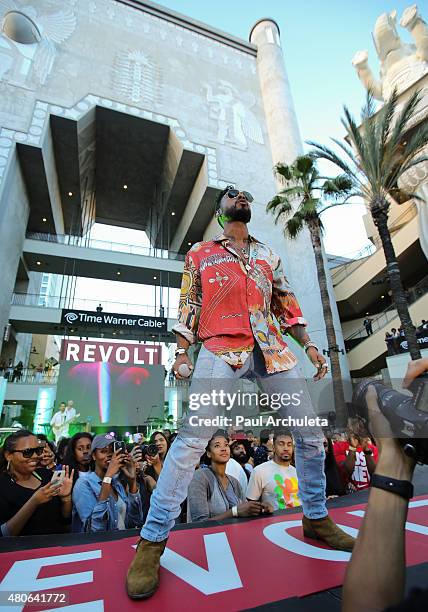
(97, 483)
(395, 336)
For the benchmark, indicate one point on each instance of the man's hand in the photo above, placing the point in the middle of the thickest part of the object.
(318, 361)
(180, 359)
(393, 462)
(414, 369)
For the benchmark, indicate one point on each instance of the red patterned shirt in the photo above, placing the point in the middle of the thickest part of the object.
(227, 304)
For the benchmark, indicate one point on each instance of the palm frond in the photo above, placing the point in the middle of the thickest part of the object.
(349, 152)
(304, 164)
(283, 171)
(294, 226)
(338, 186)
(324, 152)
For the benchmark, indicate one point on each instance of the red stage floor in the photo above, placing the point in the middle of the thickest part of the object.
(236, 565)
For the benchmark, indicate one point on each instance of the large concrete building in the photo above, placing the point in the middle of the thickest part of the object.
(125, 113)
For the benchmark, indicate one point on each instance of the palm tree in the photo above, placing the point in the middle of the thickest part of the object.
(300, 204)
(383, 149)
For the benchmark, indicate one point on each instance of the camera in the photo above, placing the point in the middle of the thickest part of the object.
(149, 449)
(119, 445)
(407, 416)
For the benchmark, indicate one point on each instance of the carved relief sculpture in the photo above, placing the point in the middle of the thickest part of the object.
(236, 123)
(28, 42)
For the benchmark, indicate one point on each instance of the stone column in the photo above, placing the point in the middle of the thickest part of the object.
(285, 145)
(281, 120)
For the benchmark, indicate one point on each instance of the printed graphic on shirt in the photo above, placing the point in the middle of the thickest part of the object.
(286, 492)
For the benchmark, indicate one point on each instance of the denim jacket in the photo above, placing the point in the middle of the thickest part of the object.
(89, 514)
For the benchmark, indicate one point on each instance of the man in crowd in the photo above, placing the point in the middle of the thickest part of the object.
(275, 482)
(357, 460)
(368, 325)
(263, 452)
(240, 451)
(233, 287)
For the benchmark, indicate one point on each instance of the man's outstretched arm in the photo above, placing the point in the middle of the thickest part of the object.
(375, 576)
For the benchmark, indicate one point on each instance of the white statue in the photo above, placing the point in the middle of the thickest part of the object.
(235, 121)
(400, 64)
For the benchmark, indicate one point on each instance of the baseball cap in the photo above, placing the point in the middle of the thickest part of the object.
(101, 441)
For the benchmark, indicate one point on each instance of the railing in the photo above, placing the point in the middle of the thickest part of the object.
(49, 301)
(105, 245)
(383, 318)
(31, 376)
(344, 270)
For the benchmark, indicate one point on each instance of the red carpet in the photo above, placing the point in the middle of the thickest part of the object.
(232, 566)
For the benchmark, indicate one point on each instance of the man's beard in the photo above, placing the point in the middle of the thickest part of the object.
(241, 459)
(239, 214)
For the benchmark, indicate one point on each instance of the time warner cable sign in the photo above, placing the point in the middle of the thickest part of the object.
(118, 321)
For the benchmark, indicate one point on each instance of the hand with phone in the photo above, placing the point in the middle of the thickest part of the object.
(129, 468)
(115, 464)
(43, 495)
(66, 484)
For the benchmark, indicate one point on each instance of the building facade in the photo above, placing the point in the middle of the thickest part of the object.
(125, 113)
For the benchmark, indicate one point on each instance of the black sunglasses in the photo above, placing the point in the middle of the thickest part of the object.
(29, 452)
(233, 193)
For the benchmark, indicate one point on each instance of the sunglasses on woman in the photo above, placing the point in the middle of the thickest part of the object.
(29, 452)
(233, 193)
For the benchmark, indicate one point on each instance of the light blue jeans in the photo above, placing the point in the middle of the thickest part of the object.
(213, 373)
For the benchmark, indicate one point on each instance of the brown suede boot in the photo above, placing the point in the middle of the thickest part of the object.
(327, 531)
(142, 579)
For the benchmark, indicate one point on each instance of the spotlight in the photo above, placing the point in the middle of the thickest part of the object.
(125, 186)
(39, 263)
(44, 219)
(173, 213)
(70, 193)
(118, 273)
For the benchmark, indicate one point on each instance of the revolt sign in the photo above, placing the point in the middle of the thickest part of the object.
(110, 352)
(113, 320)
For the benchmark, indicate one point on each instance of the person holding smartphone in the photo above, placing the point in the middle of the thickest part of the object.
(32, 500)
(101, 500)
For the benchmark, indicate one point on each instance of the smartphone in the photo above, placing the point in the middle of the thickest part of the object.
(58, 477)
(119, 445)
(136, 452)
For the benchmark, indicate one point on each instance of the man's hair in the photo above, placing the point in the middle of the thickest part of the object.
(282, 433)
(264, 436)
(249, 431)
(219, 197)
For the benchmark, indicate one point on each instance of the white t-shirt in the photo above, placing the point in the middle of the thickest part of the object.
(237, 471)
(274, 484)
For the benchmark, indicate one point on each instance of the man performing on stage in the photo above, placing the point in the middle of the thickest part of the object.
(232, 287)
(61, 420)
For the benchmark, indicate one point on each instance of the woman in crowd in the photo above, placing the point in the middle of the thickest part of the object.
(154, 464)
(334, 486)
(61, 448)
(48, 458)
(78, 453)
(30, 504)
(100, 501)
(212, 493)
